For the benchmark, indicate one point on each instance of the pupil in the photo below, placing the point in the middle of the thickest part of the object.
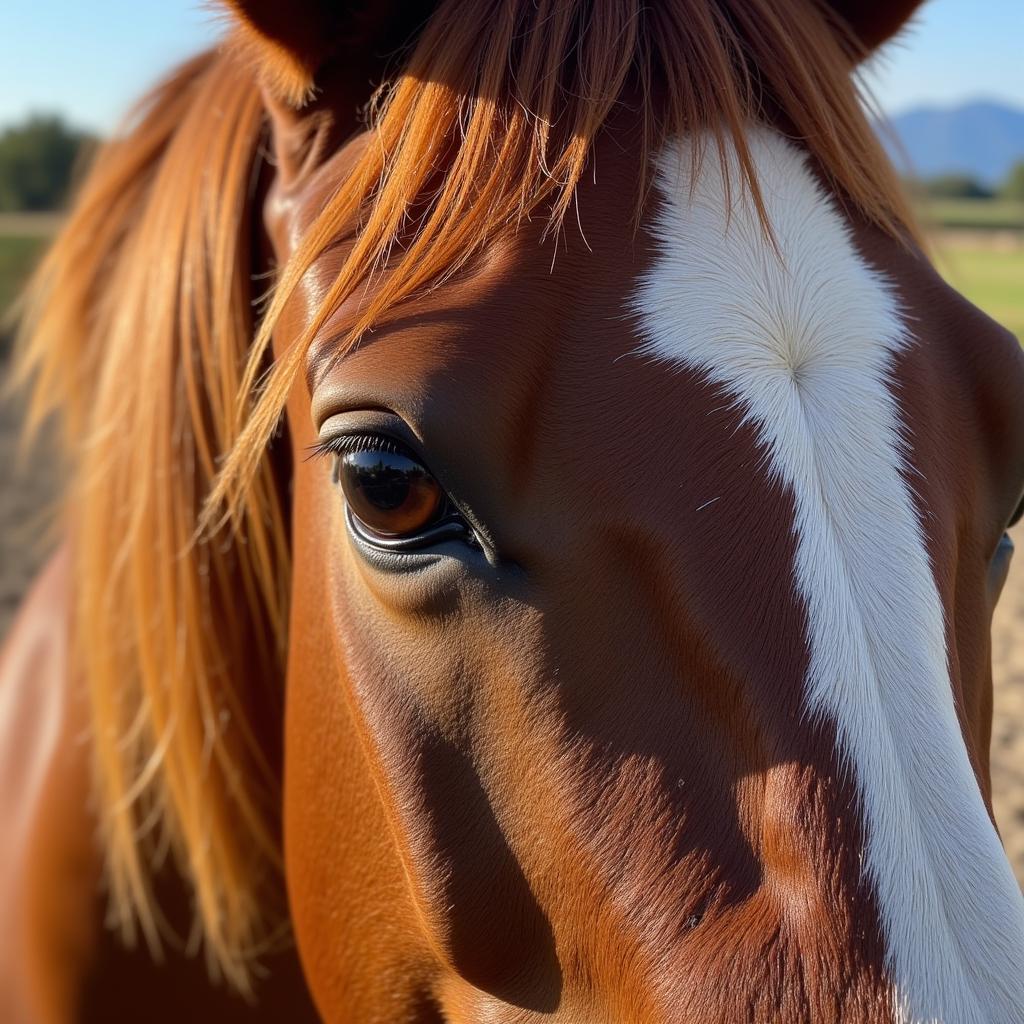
(387, 491)
(385, 487)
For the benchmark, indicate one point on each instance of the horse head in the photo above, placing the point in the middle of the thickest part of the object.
(644, 489)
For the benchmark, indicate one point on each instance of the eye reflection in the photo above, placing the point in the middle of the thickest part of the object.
(390, 493)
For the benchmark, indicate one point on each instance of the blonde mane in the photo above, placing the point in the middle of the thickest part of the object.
(140, 333)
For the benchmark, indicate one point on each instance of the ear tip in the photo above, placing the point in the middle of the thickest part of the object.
(287, 43)
(874, 22)
(293, 41)
(286, 75)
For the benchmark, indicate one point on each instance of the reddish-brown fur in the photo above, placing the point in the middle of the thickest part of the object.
(577, 786)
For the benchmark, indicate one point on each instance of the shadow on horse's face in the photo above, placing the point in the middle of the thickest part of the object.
(643, 712)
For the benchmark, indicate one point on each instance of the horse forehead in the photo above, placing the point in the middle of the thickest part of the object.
(523, 293)
(523, 316)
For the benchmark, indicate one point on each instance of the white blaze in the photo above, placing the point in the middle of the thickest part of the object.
(807, 347)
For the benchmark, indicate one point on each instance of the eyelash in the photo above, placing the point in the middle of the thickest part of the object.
(347, 444)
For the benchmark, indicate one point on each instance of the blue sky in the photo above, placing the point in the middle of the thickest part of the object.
(90, 61)
(954, 50)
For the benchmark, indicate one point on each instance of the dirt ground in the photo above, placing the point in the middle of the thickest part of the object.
(1008, 728)
(26, 494)
(24, 498)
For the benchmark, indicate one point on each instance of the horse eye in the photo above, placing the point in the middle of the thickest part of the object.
(390, 493)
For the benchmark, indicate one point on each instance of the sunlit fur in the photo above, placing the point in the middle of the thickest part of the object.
(139, 324)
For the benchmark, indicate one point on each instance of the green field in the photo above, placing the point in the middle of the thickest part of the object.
(992, 277)
(976, 214)
(979, 248)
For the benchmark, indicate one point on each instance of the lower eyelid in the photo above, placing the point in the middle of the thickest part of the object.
(450, 528)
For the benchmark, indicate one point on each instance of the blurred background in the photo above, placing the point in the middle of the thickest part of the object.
(950, 97)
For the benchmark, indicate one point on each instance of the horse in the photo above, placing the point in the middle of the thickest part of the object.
(533, 522)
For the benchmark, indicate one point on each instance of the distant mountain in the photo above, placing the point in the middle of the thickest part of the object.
(983, 139)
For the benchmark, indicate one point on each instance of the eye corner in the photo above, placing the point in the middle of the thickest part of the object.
(1016, 516)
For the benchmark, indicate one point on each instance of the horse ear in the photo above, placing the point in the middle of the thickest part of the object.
(294, 41)
(874, 21)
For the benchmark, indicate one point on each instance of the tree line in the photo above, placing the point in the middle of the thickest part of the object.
(963, 186)
(39, 162)
(41, 157)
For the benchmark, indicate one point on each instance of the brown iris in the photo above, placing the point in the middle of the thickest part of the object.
(390, 493)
